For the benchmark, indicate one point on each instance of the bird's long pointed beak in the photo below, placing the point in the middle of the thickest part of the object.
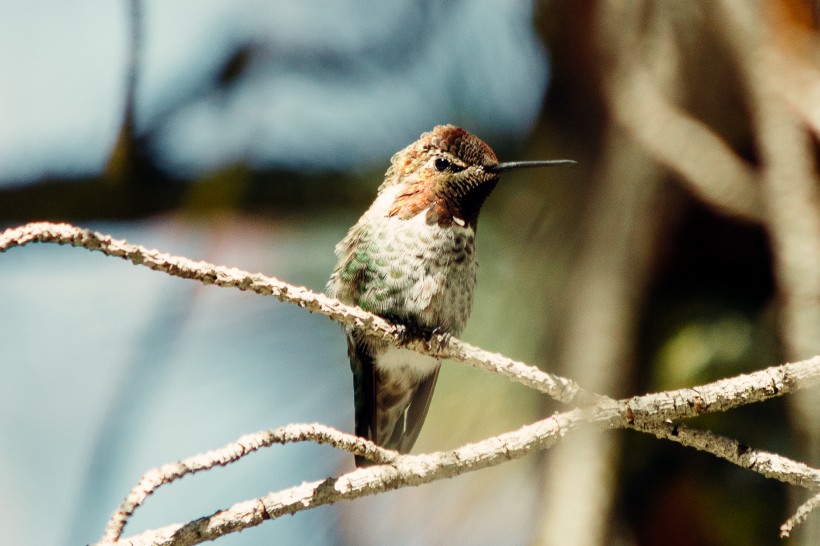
(512, 165)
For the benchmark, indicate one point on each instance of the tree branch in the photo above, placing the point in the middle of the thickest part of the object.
(769, 465)
(560, 388)
(157, 477)
(402, 471)
(725, 394)
(649, 413)
(412, 470)
(799, 516)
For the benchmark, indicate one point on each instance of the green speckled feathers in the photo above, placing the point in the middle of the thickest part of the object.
(407, 270)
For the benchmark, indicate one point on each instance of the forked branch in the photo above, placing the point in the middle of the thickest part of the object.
(652, 413)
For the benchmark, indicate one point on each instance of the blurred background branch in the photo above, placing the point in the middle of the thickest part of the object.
(792, 195)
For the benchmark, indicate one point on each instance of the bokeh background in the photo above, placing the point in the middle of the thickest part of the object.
(683, 247)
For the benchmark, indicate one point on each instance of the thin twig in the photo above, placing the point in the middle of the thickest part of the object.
(157, 477)
(799, 516)
(769, 465)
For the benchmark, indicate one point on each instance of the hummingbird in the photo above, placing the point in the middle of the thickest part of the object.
(410, 259)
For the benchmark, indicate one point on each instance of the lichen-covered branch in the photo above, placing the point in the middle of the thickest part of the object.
(725, 394)
(799, 516)
(649, 413)
(402, 471)
(769, 465)
(411, 470)
(155, 478)
(560, 388)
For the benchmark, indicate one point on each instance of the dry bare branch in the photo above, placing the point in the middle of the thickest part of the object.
(402, 471)
(644, 413)
(725, 394)
(769, 465)
(412, 470)
(799, 516)
(155, 478)
(561, 389)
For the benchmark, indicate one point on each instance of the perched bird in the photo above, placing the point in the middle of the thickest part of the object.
(411, 259)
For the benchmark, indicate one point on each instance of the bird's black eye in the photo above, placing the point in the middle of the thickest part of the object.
(444, 165)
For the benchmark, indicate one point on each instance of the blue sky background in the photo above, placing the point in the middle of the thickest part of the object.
(329, 85)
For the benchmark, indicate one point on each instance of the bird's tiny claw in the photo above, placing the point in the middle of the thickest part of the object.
(443, 336)
(408, 333)
(403, 334)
